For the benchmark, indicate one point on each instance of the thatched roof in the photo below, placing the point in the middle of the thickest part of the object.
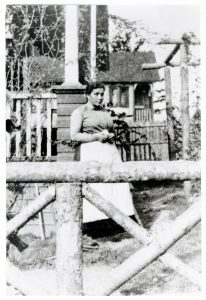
(46, 69)
(127, 67)
(124, 67)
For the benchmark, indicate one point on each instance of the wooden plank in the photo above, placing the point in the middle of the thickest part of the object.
(64, 148)
(49, 127)
(65, 157)
(66, 109)
(168, 40)
(63, 121)
(18, 133)
(71, 99)
(63, 134)
(172, 54)
(38, 126)
(28, 128)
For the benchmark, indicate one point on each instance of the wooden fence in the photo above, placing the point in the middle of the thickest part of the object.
(69, 178)
(147, 142)
(37, 115)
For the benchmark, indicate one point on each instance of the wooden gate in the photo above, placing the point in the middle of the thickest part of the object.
(145, 142)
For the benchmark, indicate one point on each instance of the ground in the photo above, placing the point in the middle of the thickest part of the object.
(156, 205)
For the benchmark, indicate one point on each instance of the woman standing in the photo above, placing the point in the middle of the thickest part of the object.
(92, 126)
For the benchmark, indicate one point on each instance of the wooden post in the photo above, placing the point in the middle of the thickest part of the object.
(38, 103)
(93, 42)
(26, 81)
(28, 127)
(185, 109)
(69, 239)
(18, 133)
(169, 111)
(8, 136)
(185, 100)
(49, 126)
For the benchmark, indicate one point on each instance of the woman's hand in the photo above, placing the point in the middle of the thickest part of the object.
(111, 137)
(102, 136)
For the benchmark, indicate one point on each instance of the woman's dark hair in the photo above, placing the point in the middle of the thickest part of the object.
(92, 86)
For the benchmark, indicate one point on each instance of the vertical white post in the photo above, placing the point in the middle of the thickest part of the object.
(93, 42)
(71, 45)
(18, 133)
(28, 127)
(131, 98)
(12, 75)
(49, 127)
(8, 136)
(184, 73)
(106, 94)
(38, 126)
(18, 74)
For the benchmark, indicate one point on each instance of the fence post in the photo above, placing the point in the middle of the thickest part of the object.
(69, 239)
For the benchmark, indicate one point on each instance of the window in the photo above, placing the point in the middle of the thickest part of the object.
(119, 96)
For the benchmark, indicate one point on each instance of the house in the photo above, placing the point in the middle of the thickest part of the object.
(128, 87)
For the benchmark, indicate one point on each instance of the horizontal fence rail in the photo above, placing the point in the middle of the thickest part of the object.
(101, 172)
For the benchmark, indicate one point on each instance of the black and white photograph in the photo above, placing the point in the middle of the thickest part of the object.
(103, 193)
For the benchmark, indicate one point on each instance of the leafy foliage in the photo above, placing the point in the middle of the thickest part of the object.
(194, 150)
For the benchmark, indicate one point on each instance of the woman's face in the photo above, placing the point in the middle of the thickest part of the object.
(96, 97)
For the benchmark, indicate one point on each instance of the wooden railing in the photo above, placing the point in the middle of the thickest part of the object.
(146, 142)
(69, 178)
(37, 115)
(142, 114)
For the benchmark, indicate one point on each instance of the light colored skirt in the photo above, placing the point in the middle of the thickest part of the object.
(117, 193)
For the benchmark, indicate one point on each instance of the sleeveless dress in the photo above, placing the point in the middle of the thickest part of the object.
(84, 122)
